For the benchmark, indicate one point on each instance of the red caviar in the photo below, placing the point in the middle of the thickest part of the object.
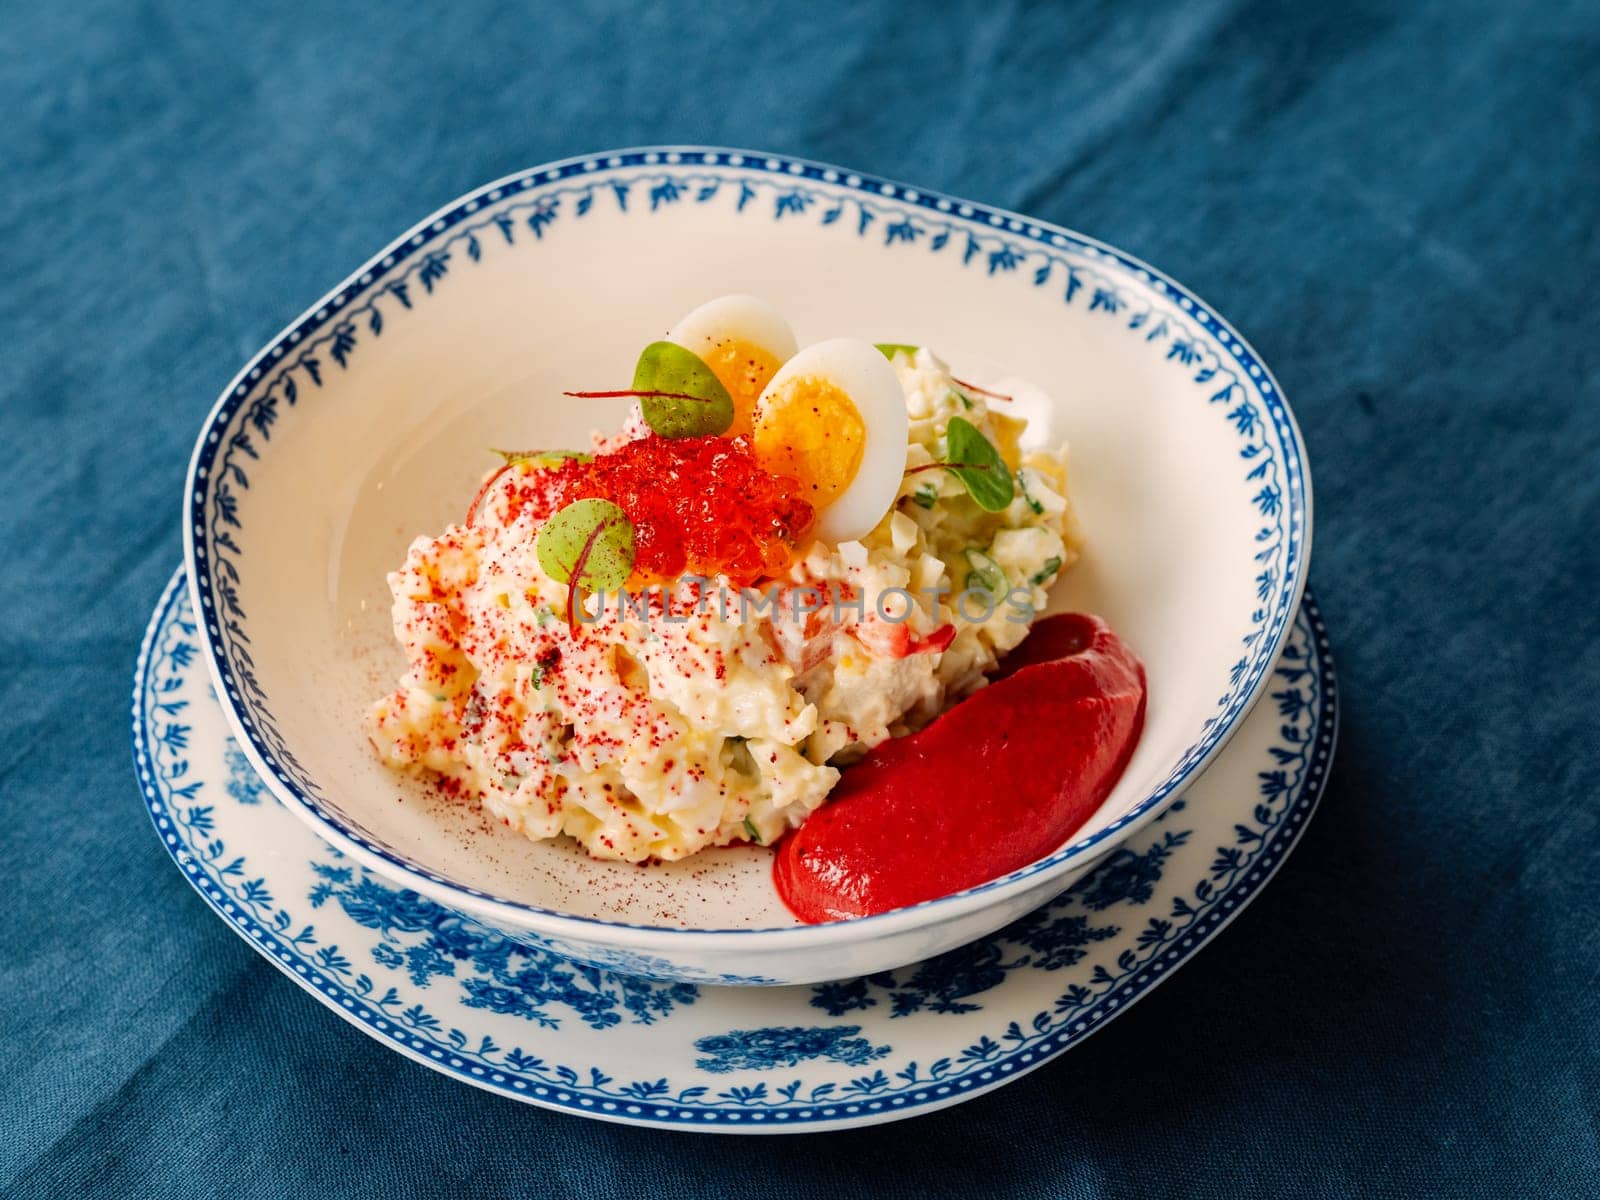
(699, 506)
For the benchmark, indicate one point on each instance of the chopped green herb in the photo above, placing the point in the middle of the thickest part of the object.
(1022, 482)
(755, 834)
(1051, 566)
(543, 615)
(973, 459)
(986, 574)
(925, 496)
(966, 400)
(681, 396)
(739, 758)
(890, 349)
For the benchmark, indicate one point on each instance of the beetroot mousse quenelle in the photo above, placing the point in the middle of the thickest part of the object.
(1002, 779)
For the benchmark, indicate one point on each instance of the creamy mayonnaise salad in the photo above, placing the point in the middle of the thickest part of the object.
(676, 713)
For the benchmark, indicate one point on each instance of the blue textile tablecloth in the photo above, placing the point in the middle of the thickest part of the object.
(1396, 203)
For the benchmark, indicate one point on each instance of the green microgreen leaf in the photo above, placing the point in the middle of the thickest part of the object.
(890, 349)
(973, 459)
(542, 458)
(680, 396)
(749, 828)
(588, 543)
(986, 574)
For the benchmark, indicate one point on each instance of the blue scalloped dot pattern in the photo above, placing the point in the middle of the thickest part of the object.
(425, 946)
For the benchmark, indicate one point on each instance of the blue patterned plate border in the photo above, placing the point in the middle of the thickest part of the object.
(501, 215)
(515, 1019)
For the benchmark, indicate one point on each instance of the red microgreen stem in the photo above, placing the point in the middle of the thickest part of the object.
(972, 387)
(627, 392)
(577, 571)
(472, 509)
(948, 467)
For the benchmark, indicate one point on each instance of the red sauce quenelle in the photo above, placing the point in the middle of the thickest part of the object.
(1003, 778)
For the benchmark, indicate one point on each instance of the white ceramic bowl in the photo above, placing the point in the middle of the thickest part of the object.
(365, 423)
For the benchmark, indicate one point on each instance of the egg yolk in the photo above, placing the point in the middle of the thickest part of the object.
(810, 429)
(744, 370)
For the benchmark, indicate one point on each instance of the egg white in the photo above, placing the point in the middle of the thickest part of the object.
(859, 370)
(742, 318)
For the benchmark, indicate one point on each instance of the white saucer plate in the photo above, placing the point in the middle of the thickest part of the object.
(447, 991)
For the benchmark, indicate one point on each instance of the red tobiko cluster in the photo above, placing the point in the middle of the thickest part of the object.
(698, 505)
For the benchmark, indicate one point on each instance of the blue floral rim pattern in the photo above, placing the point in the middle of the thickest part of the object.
(183, 813)
(239, 429)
